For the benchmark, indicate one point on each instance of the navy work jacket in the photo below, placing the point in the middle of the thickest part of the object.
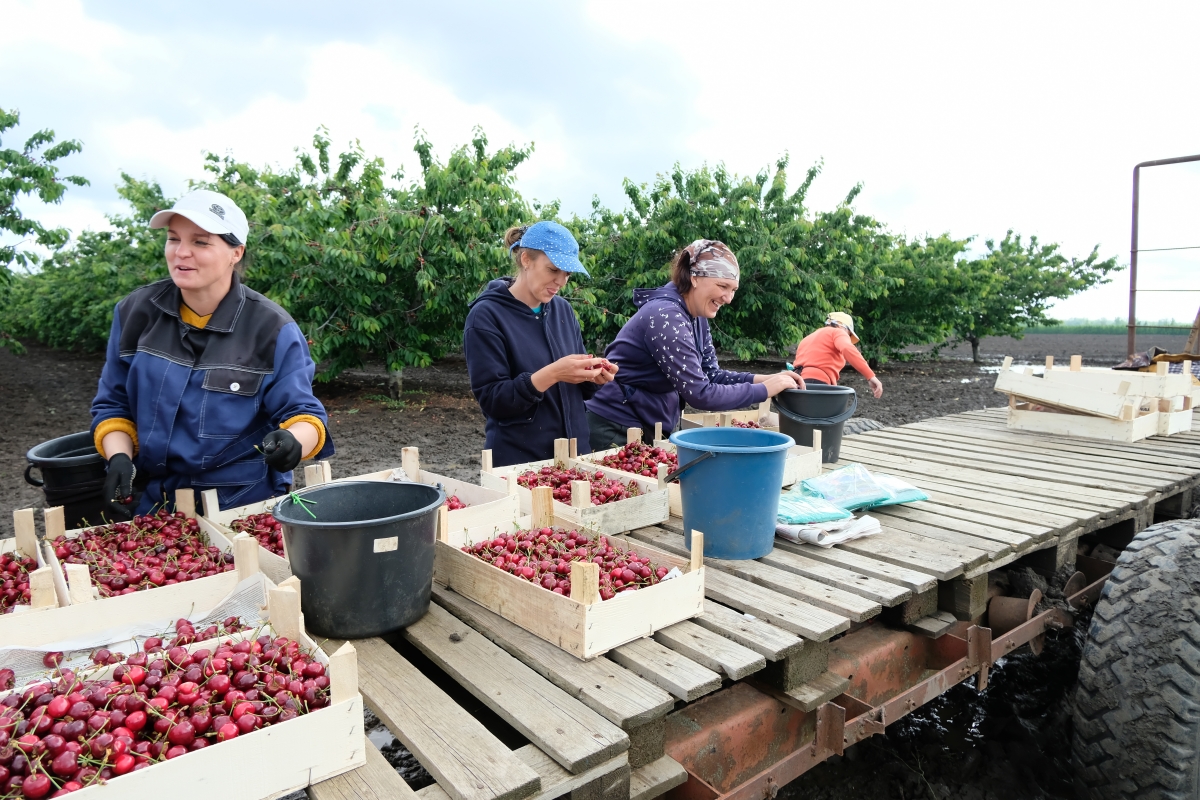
(203, 399)
(505, 343)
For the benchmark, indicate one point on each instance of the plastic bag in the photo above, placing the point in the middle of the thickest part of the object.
(900, 491)
(827, 534)
(798, 508)
(850, 487)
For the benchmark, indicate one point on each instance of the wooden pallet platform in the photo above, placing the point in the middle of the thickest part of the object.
(596, 728)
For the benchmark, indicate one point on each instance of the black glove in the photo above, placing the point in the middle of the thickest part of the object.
(282, 451)
(118, 486)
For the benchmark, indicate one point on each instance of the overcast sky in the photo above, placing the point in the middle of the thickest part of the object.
(962, 118)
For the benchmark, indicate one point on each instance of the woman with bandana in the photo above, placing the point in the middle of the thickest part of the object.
(667, 357)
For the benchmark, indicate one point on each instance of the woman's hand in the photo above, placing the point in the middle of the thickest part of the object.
(606, 373)
(786, 380)
(779, 382)
(876, 387)
(577, 368)
(118, 484)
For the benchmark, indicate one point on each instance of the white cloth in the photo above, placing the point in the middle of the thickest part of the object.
(827, 534)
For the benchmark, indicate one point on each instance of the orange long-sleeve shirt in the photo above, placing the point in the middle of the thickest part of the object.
(824, 352)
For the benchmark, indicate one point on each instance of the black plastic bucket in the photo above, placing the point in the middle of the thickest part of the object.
(817, 408)
(72, 476)
(364, 556)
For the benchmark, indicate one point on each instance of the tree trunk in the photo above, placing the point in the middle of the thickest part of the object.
(396, 383)
(974, 340)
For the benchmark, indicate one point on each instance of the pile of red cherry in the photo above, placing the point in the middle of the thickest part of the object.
(64, 733)
(153, 550)
(559, 477)
(14, 574)
(453, 503)
(263, 527)
(641, 459)
(544, 556)
(747, 424)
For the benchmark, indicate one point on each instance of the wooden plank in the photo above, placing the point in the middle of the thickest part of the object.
(982, 525)
(915, 579)
(575, 736)
(934, 625)
(811, 695)
(982, 473)
(656, 779)
(667, 669)
(1003, 465)
(615, 693)
(822, 595)
(883, 592)
(557, 782)
(711, 650)
(1086, 427)
(786, 612)
(1031, 454)
(913, 552)
(769, 641)
(1113, 453)
(983, 484)
(942, 532)
(467, 761)
(377, 780)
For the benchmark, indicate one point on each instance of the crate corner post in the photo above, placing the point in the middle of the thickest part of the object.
(245, 555)
(697, 551)
(585, 582)
(55, 522)
(283, 605)
(210, 502)
(26, 532)
(410, 462)
(343, 674)
(185, 501)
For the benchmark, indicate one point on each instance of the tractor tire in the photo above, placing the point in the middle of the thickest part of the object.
(1137, 703)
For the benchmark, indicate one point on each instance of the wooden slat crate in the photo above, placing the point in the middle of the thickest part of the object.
(45, 592)
(77, 587)
(648, 508)
(802, 462)
(581, 624)
(286, 757)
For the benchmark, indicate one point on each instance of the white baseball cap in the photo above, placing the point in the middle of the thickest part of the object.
(212, 211)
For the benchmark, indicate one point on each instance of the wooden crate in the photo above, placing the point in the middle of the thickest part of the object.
(1159, 383)
(215, 524)
(272, 761)
(724, 419)
(77, 586)
(1171, 422)
(1021, 417)
(45, 592)
(650, 507)
(802, 462)
(581, 624)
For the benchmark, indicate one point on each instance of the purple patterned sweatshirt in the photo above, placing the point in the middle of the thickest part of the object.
(666, 354)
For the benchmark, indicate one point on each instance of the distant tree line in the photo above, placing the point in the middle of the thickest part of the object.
(379, 267)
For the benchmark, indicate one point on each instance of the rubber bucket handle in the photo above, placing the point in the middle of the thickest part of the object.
(794, 417)
(30, 479)
(671, 478)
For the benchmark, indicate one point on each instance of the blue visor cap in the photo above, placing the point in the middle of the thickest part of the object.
(556, 242)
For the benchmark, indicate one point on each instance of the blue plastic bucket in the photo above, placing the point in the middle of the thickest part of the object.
(733, 496)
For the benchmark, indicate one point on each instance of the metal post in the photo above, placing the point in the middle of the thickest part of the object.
(1133, 242)
(1133, 254)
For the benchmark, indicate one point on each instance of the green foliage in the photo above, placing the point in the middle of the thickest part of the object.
(372, 270)
(795, 268)
(1015, 282)
(69, 303)
(376, 268)
(28, 172)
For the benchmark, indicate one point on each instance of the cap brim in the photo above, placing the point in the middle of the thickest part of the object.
(567, 264)
(162, 219)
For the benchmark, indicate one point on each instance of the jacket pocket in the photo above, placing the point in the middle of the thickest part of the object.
(230, 403)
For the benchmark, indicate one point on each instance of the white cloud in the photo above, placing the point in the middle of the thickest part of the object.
(965, 119)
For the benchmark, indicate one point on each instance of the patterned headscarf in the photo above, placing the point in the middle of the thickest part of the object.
(712, 259)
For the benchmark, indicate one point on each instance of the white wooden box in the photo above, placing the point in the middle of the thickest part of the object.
(581, 624)
(1089, 427)
(1170, 422)
(650, 507)
(76, 587)
(45, 591)
(268, 763)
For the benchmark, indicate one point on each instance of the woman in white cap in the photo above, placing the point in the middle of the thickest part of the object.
(206, 384)
(823, 354)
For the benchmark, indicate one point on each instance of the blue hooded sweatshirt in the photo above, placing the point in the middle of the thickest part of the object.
(505, 343)
(664, 354)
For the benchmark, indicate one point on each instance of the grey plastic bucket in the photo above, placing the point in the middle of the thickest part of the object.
(364, 555)
(821, 408)
(72, 476)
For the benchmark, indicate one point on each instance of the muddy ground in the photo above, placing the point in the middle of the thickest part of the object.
(1009, 743)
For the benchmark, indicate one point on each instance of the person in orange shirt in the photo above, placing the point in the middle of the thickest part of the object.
(822, 354)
